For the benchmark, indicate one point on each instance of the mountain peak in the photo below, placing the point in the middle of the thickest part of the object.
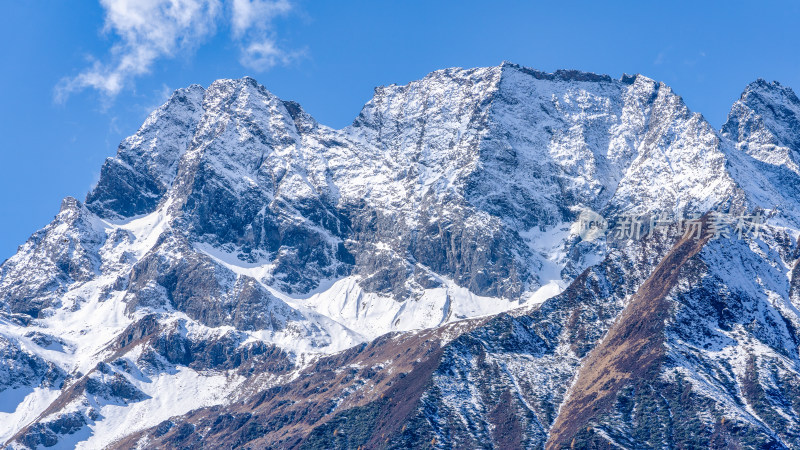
(233, 243)
(764, 96)
(224, 84)
(765, 123)
(69, 204)
(763, 84)
(560, 74)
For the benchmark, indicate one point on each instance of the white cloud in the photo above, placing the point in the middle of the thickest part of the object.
(146, 31)
(258, 14)
(261, 55)
(251, 22)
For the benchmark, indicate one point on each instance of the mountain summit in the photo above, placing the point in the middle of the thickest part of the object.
(244, 276)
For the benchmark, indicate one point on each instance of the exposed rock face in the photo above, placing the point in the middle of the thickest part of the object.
(146, 164)
(231, 279)
(765, 122)
(63, 253)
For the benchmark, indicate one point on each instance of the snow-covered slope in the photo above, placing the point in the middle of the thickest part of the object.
(234, 243)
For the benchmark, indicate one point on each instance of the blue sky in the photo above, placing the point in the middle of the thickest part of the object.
(78, 77)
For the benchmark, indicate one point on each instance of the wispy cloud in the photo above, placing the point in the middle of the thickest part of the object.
(694, 60)
(251, 22)
(146, 31)
(249, 14)
(660, 58)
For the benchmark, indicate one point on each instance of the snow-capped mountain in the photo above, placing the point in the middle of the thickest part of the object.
(243, 276)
